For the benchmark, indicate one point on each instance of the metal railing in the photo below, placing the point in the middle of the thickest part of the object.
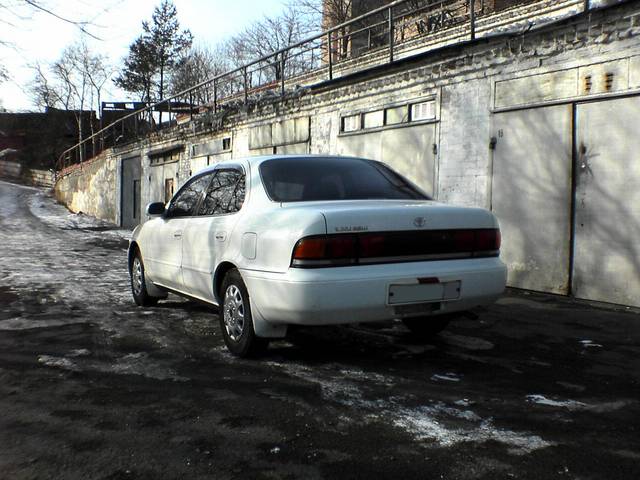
(380, 34)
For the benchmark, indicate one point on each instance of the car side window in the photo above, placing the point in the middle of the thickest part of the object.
(225, 193)
(184, 203)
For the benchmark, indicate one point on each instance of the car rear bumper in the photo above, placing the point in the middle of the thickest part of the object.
(326, 296)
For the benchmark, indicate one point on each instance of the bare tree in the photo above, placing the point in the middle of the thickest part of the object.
(267, 36)
(14, 13)
(73, 83)
(200, 64)
(325, 14)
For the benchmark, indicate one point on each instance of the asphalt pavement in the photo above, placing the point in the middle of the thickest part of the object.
(93, 387)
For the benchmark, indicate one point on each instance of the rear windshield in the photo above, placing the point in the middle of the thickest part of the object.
(313, 179)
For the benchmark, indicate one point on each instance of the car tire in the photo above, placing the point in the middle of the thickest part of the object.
(236, 321)
(139, 283)
(428, 326)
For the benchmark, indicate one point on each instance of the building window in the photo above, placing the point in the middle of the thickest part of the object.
(226, 143)
(423, 111)
(389, 117)
(374, 119)
(396, 115)
(351, 123)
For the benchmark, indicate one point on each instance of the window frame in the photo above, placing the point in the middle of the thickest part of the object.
(375, 163)
(184, 187)
(221, 168)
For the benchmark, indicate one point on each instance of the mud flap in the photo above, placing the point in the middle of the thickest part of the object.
(265, 329)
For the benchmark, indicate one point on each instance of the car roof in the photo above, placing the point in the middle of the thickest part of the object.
(255, 161)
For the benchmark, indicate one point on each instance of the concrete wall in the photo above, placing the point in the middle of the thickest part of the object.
(14, 171)
(93, 188)
(467, 83)
(10, 170)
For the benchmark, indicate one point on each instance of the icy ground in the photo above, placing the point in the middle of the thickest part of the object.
(92, 386)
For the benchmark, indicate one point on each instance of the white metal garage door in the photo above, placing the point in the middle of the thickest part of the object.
(531, 195)
(408, 150)
(607, 231)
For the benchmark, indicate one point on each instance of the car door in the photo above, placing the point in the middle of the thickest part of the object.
(207, 235)
(164, 247)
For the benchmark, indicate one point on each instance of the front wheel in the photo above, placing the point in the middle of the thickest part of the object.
(426, 327)
(139, 283)
(236, 321)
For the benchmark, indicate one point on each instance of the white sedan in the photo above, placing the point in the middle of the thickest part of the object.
(314, 240)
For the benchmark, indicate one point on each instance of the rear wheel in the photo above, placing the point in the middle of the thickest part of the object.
(139, 283)
(426, 327)
(236, 321)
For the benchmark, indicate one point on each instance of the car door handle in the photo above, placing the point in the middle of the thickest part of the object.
(221, 236)
(177, 234)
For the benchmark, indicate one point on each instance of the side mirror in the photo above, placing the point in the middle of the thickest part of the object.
(156, 208)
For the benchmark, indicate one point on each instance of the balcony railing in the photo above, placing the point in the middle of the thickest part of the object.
(377, 37)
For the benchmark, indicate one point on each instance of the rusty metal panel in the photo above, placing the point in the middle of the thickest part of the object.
(607, 231)
(604, 77)
(408, 150)
(531, 195)
(536, 88)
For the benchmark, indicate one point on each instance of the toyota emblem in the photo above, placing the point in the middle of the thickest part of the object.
(419, 222)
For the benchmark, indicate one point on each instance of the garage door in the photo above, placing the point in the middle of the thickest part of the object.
(531, 195)
(130, 192)
(410, 151)
(607, 231)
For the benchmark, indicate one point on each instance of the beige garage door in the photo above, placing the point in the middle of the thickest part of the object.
(409, 150)
(607, 231)
(531, 195)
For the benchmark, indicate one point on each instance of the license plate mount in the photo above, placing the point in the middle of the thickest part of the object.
(408, 293)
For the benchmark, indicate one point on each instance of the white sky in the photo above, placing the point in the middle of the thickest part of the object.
(118, 22)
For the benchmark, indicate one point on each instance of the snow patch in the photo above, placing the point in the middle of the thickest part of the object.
(542, 400)
(131, 364)
(468, 343)
(574, 405)
(421, 423)
(439, 423)
(446, 377)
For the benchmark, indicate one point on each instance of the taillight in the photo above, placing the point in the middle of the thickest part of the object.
(372, 245)
(325, 250)
(393, 247)
(487, 240)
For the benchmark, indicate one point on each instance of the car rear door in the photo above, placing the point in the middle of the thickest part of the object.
(207, 235)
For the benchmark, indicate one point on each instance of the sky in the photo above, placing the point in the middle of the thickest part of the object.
(39, 37)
